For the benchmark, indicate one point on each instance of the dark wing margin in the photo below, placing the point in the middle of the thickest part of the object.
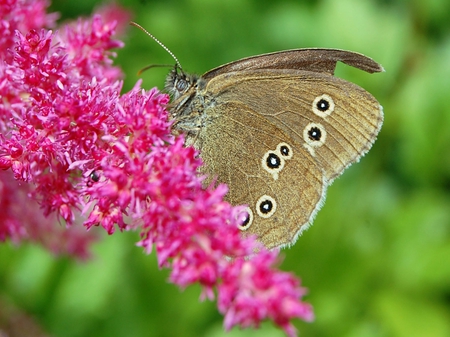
(315, 59)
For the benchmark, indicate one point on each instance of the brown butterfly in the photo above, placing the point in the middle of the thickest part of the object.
(278, 129)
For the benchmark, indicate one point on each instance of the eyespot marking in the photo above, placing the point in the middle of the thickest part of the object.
(285, 150)
(245, 219)
(266, 206)
(314, 135)
(273, 163)
(323, 105)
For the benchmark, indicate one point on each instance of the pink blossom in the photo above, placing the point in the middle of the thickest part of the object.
(82, 151)
(252, 291)
(22, 219)
(23, 16)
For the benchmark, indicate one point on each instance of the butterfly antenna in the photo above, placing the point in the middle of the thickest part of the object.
(158, 42)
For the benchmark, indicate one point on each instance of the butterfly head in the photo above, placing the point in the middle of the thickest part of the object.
(178, 82)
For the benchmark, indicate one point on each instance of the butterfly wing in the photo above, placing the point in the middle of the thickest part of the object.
(317, 60)
(278, 135)
(279, 181)
(335, 120)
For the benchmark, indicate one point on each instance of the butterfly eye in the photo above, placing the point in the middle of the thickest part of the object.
(182, 84)
(314, 134)
(323, 106)
(266, 206)
(245, 219)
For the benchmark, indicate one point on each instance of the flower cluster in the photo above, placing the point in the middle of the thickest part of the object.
(93, 153)
(30, 73)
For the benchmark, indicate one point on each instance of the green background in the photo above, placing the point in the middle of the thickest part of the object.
(376, 261)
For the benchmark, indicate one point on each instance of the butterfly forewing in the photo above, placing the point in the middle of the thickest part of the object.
(289, 100)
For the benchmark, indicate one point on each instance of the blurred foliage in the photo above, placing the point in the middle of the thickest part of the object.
(376, 261)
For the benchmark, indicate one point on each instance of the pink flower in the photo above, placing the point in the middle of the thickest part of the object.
(22, 16)
(110, 160)
(21, 219)
(252, 291)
